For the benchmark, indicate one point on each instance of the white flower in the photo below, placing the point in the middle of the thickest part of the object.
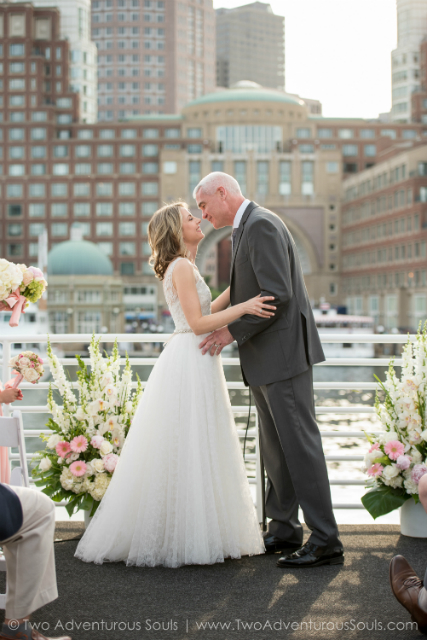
(410, 486)
(416, 456)
(129, 406)
(106, 379)
(45, 464)
(30, 375)
(118, 437)
(98, 465)
(110, 391)
(53, 441)
(101, 484)
(390, 471)
(81, 414)
(106, 447)
(67, 479)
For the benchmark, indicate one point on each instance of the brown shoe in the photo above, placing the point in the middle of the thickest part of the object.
(35, 635)
(409, 591)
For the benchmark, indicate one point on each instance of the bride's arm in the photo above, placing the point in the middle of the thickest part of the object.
(222, 302)
(183, 280)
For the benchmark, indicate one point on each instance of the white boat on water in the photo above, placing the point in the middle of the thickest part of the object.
(329, 321)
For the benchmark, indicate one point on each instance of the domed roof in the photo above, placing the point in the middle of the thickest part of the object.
(78, 258)
(246, 90)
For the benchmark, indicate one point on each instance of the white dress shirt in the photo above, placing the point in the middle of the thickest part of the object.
(240, 211)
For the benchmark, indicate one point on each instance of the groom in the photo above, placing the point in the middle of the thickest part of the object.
(276, 356)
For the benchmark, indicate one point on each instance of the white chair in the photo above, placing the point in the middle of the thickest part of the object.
(12, 435)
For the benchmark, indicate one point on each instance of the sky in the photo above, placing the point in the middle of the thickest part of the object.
(338, 52)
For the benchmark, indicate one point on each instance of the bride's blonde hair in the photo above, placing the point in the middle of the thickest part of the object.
(165, 237)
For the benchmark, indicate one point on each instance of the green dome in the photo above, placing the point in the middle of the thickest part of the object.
(78, 258)
(244, 91)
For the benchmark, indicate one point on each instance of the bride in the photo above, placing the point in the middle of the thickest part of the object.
(179, 494)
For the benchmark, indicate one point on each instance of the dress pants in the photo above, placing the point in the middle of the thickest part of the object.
(30, 556)
(291, 447)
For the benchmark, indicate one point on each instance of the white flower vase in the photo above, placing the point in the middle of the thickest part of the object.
(87, 517)
(413, 519)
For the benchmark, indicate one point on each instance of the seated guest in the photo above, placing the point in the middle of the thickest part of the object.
(27, 526)
(405, 584)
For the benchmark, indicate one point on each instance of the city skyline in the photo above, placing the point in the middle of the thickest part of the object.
(363, 88)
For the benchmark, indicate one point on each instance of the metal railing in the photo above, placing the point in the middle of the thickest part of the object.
(253, 432)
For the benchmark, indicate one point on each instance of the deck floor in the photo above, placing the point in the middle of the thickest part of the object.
(252, 596)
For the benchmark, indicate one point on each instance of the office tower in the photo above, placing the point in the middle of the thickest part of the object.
(75, 27)
(405, 59)
(250, 45)
(154, 56)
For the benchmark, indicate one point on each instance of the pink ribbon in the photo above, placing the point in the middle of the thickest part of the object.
(4, 451)
(17, 303)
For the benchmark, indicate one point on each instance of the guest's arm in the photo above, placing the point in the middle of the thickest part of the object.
(10, 395)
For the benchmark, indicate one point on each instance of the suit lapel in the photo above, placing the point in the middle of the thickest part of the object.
(251, 206)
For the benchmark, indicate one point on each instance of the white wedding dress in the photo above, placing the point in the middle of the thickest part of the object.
(179, 494)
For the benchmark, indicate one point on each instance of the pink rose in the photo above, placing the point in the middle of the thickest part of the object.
(97, 441)
(403, 462)
(28, 277)
(417, 472)
(110, 462)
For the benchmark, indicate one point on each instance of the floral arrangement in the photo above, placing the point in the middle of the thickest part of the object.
(397, 458)
(89, 430)
(28, 366)
(19, 285)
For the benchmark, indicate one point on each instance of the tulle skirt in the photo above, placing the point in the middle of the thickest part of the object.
(179, 494)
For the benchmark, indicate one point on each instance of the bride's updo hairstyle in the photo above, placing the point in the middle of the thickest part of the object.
(165, 237)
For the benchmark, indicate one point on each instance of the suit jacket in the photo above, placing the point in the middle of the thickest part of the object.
(11, 516)
(265, 260)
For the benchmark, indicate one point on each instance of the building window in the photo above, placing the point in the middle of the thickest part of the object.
(149, 188)
(59, 209)
(104, 228)
(150, 150)
(81, 189)
(172, 133)
(59, 229)
(14, 210)
(16, 50)
(345, 134)
(38, 133)
(325, 133)
(83, 151)
(104, 189)
(14, 250)
(370, 150)
(105, 167)
(307, 182)
(104, 208)
(89, 322)
(350, 149)
(14, 229)
(148, 208)
(262, 177)
(59, 189)
(36, 210)
(81, 209)
(127, 189)
(127, 229)
(285, 179)
(37, 190)
(127, 268)
(127, 150)
(195, 174)
(14, 191)
(126, 208)
(127, 167)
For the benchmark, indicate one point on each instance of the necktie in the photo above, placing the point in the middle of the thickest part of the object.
(233, 238)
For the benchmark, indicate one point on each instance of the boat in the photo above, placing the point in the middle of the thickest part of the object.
(329, 321)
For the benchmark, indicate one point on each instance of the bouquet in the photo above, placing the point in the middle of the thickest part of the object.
(397, 458)
(89, 430)
(19, 285)
(28, 366)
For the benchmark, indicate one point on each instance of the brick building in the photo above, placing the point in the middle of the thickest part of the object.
(384, 236)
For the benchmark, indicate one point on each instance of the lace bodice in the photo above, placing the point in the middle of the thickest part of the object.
(181, 324)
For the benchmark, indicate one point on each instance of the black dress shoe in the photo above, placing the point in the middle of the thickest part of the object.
(273, 544)
(312, 555)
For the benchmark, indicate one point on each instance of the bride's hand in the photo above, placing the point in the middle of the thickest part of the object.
(258, 306)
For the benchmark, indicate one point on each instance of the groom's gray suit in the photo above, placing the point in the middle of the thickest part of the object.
(276, 356)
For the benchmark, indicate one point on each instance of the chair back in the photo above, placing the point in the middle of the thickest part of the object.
(12, 435)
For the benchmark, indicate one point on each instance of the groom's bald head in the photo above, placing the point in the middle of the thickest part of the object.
(218, 196)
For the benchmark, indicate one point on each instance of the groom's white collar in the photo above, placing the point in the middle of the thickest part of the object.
(240, 211)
